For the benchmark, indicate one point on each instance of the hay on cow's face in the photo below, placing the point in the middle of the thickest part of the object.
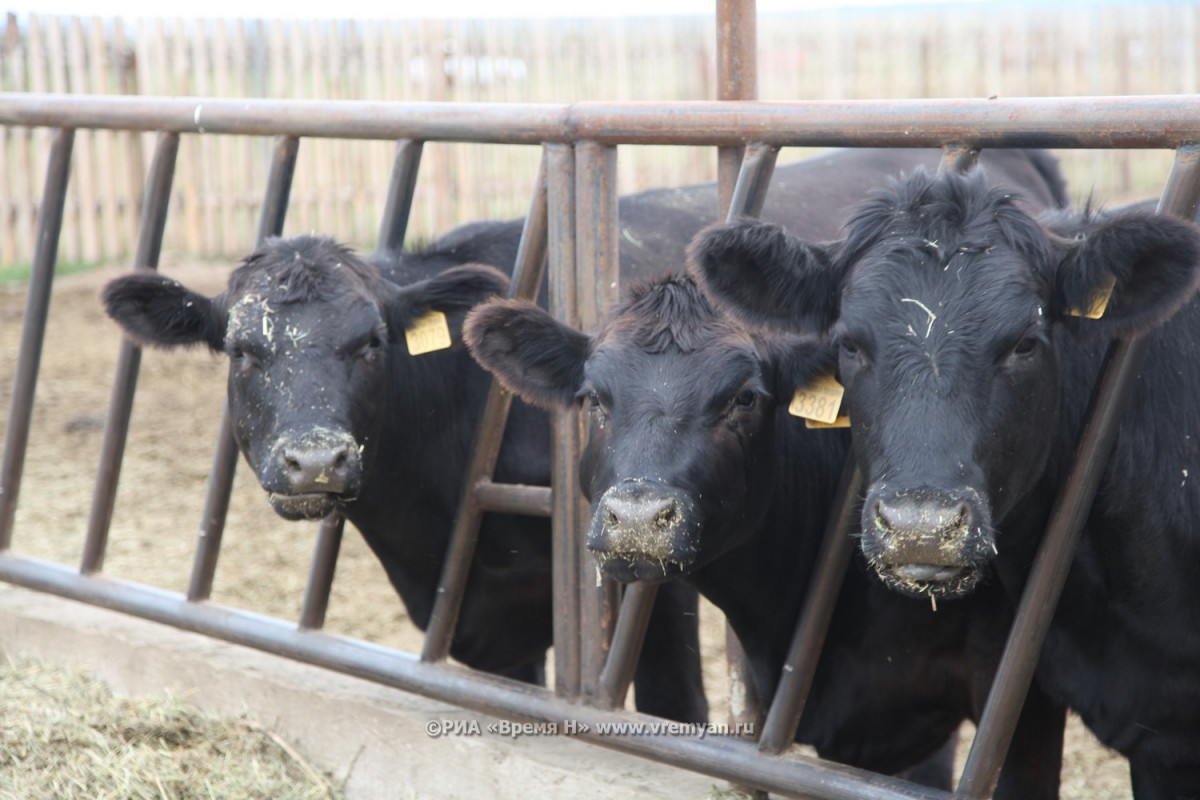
(63, 734)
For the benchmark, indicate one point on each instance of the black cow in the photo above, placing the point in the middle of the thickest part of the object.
(693, 468)
(967, 377)
(332, 413)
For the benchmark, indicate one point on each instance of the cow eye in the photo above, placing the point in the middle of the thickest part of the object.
(372, 347)
(240, 358)
(1026, 346)
(745, 399)
(596, 407)
(849, 347)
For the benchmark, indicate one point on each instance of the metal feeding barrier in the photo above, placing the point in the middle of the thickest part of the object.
(571, 233)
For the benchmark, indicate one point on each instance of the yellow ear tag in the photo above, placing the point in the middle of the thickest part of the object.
(1097, 301)
(428, 333)
(819, 402)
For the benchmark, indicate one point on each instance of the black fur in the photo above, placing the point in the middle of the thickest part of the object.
(967, 383)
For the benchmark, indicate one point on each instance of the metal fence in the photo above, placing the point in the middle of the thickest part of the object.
(571, 230)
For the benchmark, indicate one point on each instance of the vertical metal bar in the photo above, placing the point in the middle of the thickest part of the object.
(33, 330)
(737, 78)
(753, 180)
(401, 189)
(220, 479)
(1122, 362)
(392, 229)
(527, 277)
(747, 200)
(320, 575)
(828, 574)
(957, 157)
(628, 635)
(597, 284)
(129, 358)
(569, 509)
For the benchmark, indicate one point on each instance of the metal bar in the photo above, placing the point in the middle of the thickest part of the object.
(485, 451)
(220, 479)
(829, 571)
(1133, 121)
(628, 635)
(320, 575)
(1053, 561)
(746, 199)
(514, 498)
(129, 358)
(753, 180)
(33, 330)
(721, 757)
(401, 189)
(737, 79)
(568, 509)
(958, 157)
(596, 284)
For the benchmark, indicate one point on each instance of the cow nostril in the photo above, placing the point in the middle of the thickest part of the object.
(339, 462)
(666, 516)
(611, 517)
(292, 463)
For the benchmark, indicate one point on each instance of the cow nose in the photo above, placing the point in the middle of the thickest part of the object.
(642, 519)
(319, 469)
(640, 513)
(925, 516)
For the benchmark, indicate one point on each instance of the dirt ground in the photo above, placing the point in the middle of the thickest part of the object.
(264, 561)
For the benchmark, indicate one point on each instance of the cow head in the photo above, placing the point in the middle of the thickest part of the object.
(309, 329)
(679, 410)
(945, 301)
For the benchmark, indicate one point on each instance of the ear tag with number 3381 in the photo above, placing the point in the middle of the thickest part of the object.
(819, 404)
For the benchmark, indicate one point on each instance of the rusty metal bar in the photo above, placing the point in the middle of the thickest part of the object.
(527, 277)
(1181, 197)
(568, 507)
(719, 756)
(958, 157)
(129, 358)
(737, 79)
(628, 635)
(597, 282)
(220, 479)
(829, 571)
(33, 329)
(514, 498)
(753, 180)
(320, 575)
(1133, 121)
(401, 189)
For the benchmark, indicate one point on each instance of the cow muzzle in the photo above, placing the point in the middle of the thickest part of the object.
(643, 530)
(320, 469)
(927, 543)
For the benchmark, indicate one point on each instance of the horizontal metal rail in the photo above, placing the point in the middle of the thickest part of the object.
(718, 756)
(1135, 122)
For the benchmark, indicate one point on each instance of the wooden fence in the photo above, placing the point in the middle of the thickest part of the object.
(970, 51)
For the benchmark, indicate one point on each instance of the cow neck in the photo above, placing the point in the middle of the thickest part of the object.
(408, 502)
(761, 584)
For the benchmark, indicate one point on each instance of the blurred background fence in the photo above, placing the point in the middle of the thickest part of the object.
(969, 50)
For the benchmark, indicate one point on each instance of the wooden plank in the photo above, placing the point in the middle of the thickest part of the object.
(100, 72)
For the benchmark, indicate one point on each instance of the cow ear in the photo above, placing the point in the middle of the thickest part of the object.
(765, 276)
(1145, 264)
(455, 289)
(157, 310)
(798, 360)
(533, 354)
